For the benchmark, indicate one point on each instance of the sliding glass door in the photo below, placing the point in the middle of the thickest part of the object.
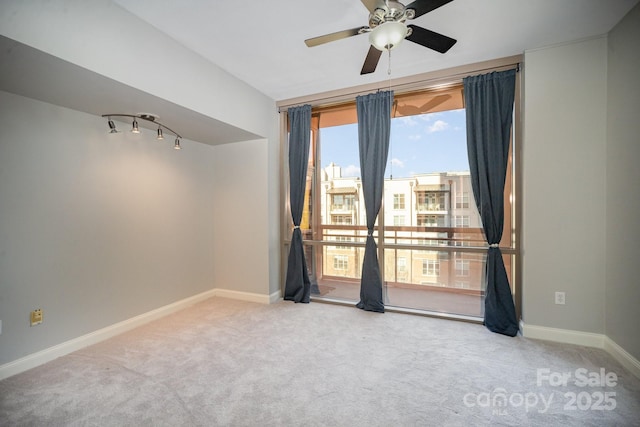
(429, 232)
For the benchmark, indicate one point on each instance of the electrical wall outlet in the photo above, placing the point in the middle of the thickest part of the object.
(560, 298)
(36, 317)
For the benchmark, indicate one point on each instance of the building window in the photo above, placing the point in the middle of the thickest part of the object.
(430, 267)
(398, 201)
(430, 220)
(461, 221)
(402, 264)
(462, 241)
(462, 200)
(342, 239)
(341, 219)
(340, 262)
(342, 202)
(430, 201)
(398, 220)
(462, 267)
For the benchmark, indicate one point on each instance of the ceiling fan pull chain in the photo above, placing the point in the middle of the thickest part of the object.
(389, 69)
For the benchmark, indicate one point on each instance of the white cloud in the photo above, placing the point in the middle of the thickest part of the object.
(414, 137)
(408, 121)
(429, 117)
(397, 162)
(438, 126)
(351, 170)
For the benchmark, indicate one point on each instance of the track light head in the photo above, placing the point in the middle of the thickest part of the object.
(135, 128)
(177, 144)
(160, 136)
(112, 127)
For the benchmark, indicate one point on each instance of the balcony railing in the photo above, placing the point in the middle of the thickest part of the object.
(456, 253)
(342, 208)
(430, 207)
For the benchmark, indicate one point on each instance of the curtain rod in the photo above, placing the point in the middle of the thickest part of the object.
(453, 78)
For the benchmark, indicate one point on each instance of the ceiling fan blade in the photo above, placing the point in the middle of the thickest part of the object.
(315, 41)
(424, 6)
(371, 61)
(430, 39)
(372, 5)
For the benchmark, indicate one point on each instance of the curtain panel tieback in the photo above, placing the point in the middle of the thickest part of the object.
(494, 245)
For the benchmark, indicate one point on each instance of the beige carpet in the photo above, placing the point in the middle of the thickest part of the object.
(226, 362)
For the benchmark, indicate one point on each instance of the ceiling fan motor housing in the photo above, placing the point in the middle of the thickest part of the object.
(392, 11)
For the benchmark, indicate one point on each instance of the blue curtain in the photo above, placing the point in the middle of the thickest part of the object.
(374, 127)
(489, 108)
(297, 286)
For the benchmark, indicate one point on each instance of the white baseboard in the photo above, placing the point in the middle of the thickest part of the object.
(622, 356)
(562, 335)
(247, 296)
(36, 359)
(583, 338)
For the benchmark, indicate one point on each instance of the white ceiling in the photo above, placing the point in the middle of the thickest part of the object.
(262, 42)
(263, 45)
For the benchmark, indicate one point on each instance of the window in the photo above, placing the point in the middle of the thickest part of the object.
(340, 262)
(430, 267)
(342, 202)
(343, 239)
(341, 219)
(462, 200)
(462, 267)
(430, 201)
(461, 221)
(430, 220)
(398, 201)
(429, 231)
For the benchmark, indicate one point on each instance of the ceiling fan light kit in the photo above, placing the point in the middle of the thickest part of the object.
(388, 35)
(387, 28)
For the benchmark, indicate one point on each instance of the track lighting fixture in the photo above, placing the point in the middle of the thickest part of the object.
(135, 129)
(112, 126)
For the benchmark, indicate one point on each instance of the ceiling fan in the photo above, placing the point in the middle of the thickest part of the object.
(387, 28)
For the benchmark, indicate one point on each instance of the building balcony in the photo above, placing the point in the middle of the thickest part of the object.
(341, 209)
(436, 209)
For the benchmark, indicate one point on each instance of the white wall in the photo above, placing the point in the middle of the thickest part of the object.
(95, 228)
(102, 37)
(241, 222)
(564, 197)
(118, 230)
(623, 176)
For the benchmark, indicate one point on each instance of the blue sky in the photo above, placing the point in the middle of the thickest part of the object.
(419, 144)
